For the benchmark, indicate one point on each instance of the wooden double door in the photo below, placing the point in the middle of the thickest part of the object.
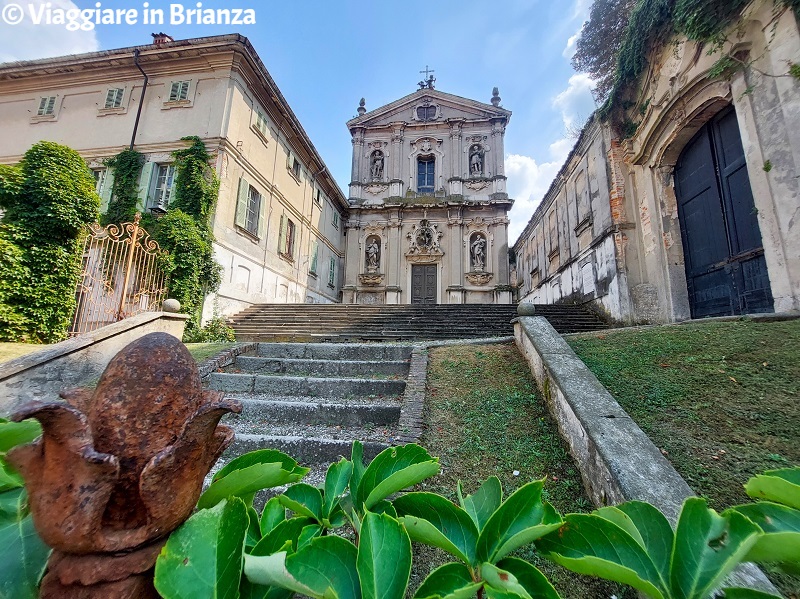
(423, 283)
(724, 257)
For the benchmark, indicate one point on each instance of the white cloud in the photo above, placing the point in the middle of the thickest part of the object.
(569, 51)
(27, 41)
(576, 102)
(528, 181)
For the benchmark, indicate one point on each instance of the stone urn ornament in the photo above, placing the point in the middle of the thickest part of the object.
(118, 468)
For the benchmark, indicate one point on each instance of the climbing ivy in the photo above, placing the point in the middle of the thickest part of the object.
(127, 167)
(185, 232)
(48, 199)
(651, 25)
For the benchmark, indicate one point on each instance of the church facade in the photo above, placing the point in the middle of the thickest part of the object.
(428, 217)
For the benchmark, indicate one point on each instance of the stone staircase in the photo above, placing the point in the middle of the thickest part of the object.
(313, 400)
(348, 322)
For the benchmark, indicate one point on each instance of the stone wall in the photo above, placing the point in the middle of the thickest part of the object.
(78, 361)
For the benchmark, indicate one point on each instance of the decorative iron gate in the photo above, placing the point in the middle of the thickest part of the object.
(121, 276)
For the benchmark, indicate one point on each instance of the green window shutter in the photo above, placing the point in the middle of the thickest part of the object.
(282, 235)
(262, 222)
(314, 256)
(145, 185)
(240, 219)
(332, 272)
(105, 195)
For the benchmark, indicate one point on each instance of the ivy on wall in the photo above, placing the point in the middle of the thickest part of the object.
(48, 199)
(127, 167)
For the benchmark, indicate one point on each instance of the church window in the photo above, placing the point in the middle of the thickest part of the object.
(426, 167)
(426, 113)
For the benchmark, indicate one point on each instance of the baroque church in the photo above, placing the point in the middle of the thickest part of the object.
(428, 217)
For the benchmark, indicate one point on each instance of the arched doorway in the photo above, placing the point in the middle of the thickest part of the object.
(723, 254)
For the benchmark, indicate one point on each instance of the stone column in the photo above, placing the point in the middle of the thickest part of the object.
(358, 151)
(455, 156)
(396, 178)
(353, 262)
(395, 259)
(455, 222)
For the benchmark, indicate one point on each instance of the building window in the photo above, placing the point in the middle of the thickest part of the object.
(286, 238)
(295, 167)
(99, 179)
(162, 188)
(335, 218)
(248, 208)
(179, 91)
(426, 166)
(114, 97)
(332, 273)
(261, 122)
(318, 197)
(426, 113)
(47, 106)
(314, 258)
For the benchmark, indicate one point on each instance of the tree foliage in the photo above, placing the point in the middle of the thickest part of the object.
(48, 199)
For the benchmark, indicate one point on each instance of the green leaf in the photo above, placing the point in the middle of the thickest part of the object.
(738, 593)
(531, 579)
(287, 531)
(518, 577)
(384, 507)
(303, 500)
(357, 459)
(312, 531)
(273, 514)
(433, 520)
(17, 433)
(394, 469)
(9, 477)
(384, 558)
(323, 569)
(203, 558)
(14, 504)
(250, 473)
(781, 486)
(781, 525)
(23, 556)
(484, 502)
(590, 544)
(707, 547)
(253, 530)
(451, 581)
(336, 480)
(522, 518)
(248, 590)
(648, 527)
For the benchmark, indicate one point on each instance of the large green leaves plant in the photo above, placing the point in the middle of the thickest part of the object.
(480, 533)
(633, 543)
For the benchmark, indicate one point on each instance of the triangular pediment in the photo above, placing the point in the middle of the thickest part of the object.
(443, 106)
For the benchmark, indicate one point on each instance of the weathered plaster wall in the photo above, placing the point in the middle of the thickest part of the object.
(76, 362)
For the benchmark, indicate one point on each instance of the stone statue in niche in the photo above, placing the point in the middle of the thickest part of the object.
(478, 252)
(373, 254)
(376, 165)
(476, 161)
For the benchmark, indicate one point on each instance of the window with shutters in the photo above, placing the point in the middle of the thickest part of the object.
(179, 91)
(99, 175)
(163, 185)
(248, 209)
(286, 238)
(114, 98)
(47, 106)
(261, 122)
(318, 197)
(335, 220)
(312, 269)
(332, 272)
(294, 166)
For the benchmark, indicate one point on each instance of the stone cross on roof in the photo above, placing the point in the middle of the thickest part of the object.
(429, 78)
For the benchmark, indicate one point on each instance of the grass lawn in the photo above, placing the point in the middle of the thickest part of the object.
(721, 399)
(484, 417)
(9, 351)
(203, 351)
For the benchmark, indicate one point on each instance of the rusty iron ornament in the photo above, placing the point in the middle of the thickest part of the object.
(120, 467)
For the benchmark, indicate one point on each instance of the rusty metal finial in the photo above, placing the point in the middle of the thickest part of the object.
(120, 467)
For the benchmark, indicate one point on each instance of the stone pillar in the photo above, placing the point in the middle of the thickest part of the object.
(396, 163)
(455, 222)
(349, 290)
(394, 261)
(358, 151)
(455, 156)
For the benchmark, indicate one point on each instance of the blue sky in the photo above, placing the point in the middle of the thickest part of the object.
(327, 54)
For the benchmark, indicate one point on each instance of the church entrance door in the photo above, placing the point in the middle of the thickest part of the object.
(723, 254)
(423, 284)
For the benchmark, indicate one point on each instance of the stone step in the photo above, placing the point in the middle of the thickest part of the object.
(322, 368)
(306, 450)
(306, 386)
(320, 413)
(336, 351)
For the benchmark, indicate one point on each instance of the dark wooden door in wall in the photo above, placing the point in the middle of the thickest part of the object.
(725, 268)
(423, 284)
